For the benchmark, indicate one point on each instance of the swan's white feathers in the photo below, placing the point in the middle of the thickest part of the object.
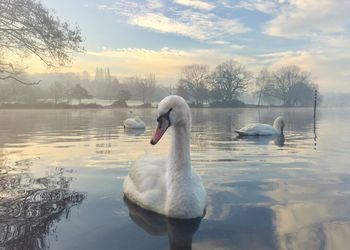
(145, 181)
(260, 129)
(257, 129)
(180, 111)
(134, 123)
(169, 185)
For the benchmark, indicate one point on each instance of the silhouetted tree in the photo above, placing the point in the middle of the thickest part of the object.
(79, 93)
(27, 27)
(57, 91)
(147, 87)
(181, 91)
(17, 92)
(229, 80)
(291, 85)
(124, 95)
(262, 82)
(141, 87)
(195, 80)
(303, 94)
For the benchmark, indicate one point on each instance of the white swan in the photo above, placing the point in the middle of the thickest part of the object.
(134, 123)
(263, 129)
(168, 185)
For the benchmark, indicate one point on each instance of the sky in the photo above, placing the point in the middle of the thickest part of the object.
(161, 36)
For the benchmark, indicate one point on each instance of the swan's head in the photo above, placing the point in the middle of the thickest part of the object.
(279, 124)
(172, 111)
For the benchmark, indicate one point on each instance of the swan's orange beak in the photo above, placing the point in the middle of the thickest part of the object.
(163, 125)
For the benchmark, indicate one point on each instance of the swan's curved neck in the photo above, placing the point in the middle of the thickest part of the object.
(180, 159)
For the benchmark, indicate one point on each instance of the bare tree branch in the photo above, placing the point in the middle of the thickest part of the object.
(20, 81)
(27, 27)
(195, 80)
(229, 80)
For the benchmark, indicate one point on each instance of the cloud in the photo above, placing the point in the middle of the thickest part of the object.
(267, 7)
(219, 42)
(329, 70)
(197, 4)
(165, 63)
(298, 18)
(154, 4)
(188, 22)
(161, 23)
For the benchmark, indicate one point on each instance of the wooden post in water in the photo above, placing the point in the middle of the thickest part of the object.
(315, 104)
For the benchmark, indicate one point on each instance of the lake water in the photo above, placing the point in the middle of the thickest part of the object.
(61, 175)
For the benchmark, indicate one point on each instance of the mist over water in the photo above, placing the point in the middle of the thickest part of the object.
(61, 175)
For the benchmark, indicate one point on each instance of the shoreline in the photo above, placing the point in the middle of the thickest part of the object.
(60, 106)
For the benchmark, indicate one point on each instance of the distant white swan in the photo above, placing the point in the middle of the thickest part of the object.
(134, 123)
(260, 129)
(168, 185)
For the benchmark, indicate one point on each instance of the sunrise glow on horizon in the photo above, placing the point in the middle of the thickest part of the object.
(139, 37)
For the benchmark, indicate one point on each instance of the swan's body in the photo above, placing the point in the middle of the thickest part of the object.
(168, 185)
(260, 129)
(134, 123)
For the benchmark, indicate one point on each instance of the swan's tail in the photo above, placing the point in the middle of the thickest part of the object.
(240, 133)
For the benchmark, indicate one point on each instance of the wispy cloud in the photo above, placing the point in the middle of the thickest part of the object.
(228, 44)
(284, 54)
(197, 4)
(164, 24)
(315, 36)
(165, 63)
(310, 18)
(189, 22)
(155, 4)
(219, 42)
(264, 6)
(329, 69)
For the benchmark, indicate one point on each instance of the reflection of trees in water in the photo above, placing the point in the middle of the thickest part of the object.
(211, 127)
(30, 206)
(18, 121)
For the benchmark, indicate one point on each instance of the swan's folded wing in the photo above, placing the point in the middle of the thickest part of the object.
(248, 130)
(134, 123)
(146, 181)
(128, 123)
(256, 129)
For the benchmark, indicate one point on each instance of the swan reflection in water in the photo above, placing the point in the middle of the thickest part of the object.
(134, 132)
(264, 140)
(179, 231)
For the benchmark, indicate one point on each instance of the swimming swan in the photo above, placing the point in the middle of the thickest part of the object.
(263, 129)
(134, 123)
(168, 185)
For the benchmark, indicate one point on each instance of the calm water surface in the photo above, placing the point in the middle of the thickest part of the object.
(61, 175)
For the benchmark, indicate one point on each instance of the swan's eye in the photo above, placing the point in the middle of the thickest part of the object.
(165, 116)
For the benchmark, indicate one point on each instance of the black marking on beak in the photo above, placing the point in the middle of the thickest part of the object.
(163, 124)
(164, 116)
